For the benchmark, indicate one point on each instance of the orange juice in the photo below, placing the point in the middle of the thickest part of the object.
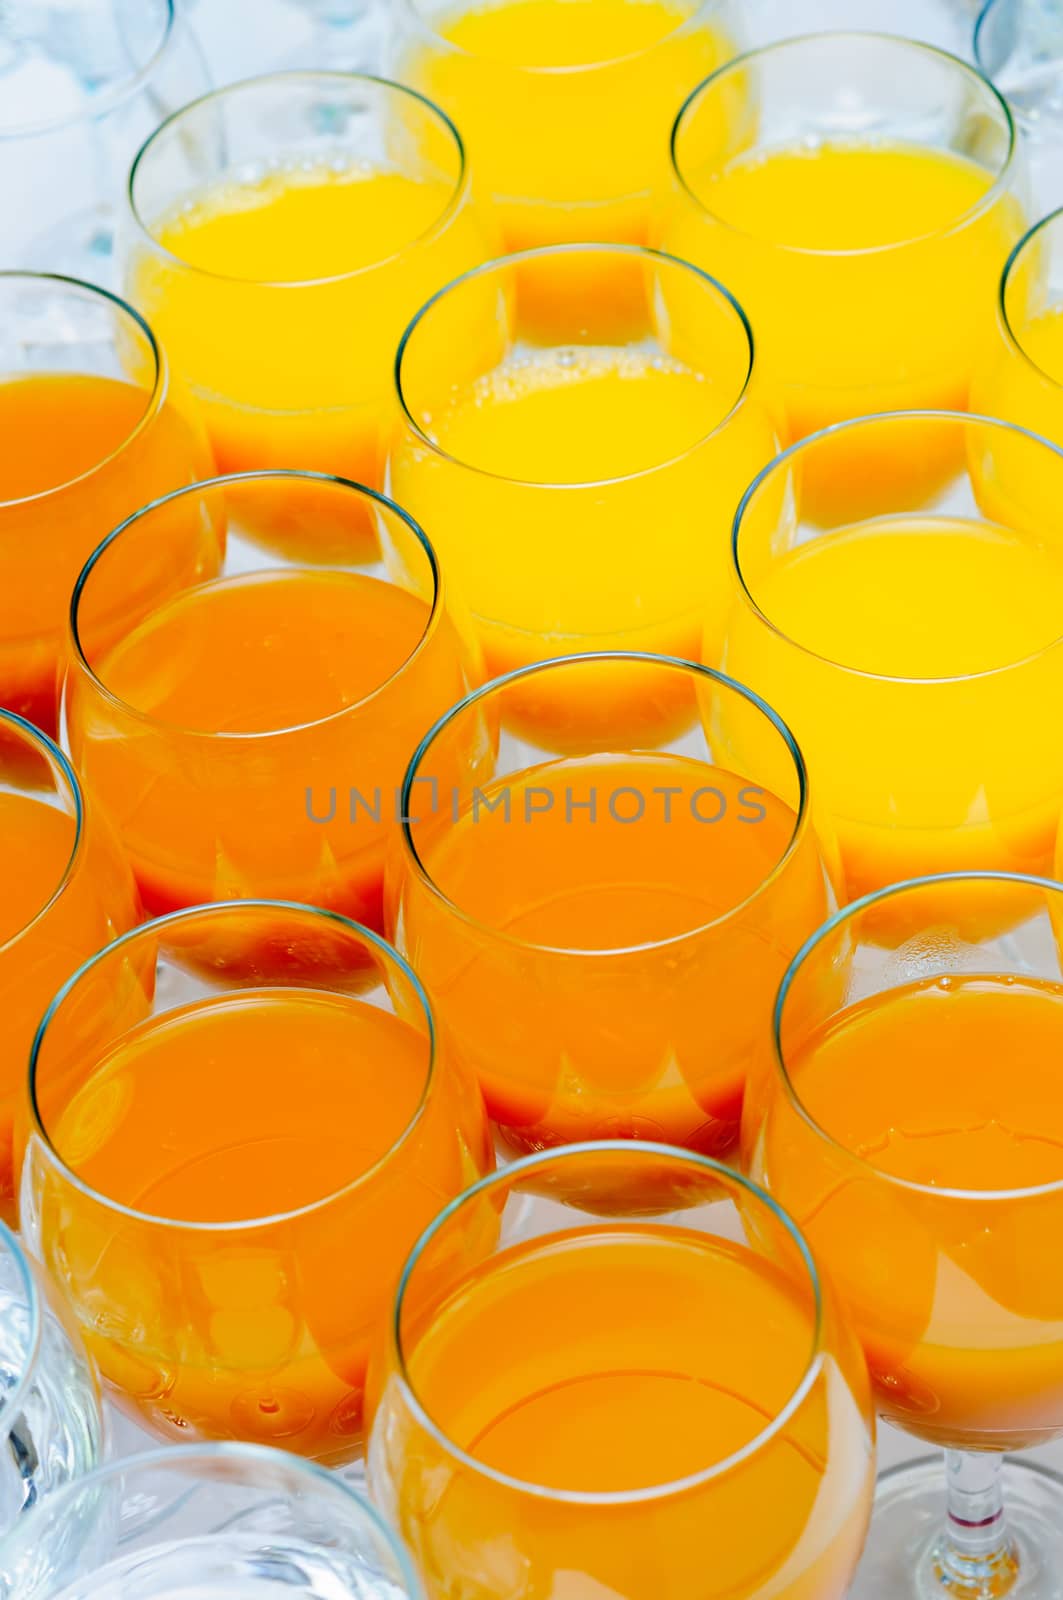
(580, 497)
(912, 657)
(283, 300)
(618, 1360)
(868, 269)
(944, 1084)
(265, 724)
(1022, 376)
(313, 1119)
(612, 927)
(565, 105)
(80, 454)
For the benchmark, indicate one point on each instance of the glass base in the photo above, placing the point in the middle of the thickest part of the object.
(909, 1519)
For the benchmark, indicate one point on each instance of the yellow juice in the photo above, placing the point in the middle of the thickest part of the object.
(915, 659)
(868, 269)
(580, 498)
(282, 301)
(566, 105)
(1023, 381)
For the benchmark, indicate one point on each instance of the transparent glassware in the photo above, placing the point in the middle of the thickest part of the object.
(267, 218)
(50, 1422)
(897, 601)
(82, 82)
(597, 409)
(606, 1402)
(307, 645)
(245, 38)
(1020, 376)
(822, 175)
(601, 912)
(567, 119)
(946, 24)
(203, 1261)
(232, 1522)
(922, 1175)
(67, 891)
(1019, 45)
(94, 426)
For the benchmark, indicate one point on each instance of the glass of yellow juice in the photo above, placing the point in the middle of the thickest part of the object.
(579, 425)
(907, 627)
(282, 232)
(1021, 373)
(642, 1406)
(859, 195)
(566, 107)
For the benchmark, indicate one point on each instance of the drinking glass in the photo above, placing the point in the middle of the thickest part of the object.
(824, 176)
(235, 1522)
(93, 426)
(253, 660)
(945, 23)
(579, 426)
(67, 890)
(281, 234)
(597, 1407)
(566, 110)
(1019, 45)
(82, 83)
(241, 1119)
(602, 916)
(1021, 373)
(906, 626)
(50, 1424)
(913, 1127)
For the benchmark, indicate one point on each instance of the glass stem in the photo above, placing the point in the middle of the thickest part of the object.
(976, 1558)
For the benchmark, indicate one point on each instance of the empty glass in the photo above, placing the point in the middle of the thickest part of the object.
(51, 1430)
(1019, 44)
(221, 1522)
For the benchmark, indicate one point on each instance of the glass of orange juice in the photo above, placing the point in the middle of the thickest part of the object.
(566, 108)
(580, 424)
(1021, 372)
(913, 1127)
(242, 1116)
(281, 234)
(93, 426)
(643, 1407)
(907, 628)
(248, 681)
(602, 917)
(66, 891)
(859, 195)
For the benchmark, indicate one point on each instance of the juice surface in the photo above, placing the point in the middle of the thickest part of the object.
(947, 1084)
(332, 262)
(276, 657)
(869, 270)
(566, 107)
(624, 1007)
(911, 661)
(587, 499)
(58, 428)
(235, 1109)
(612, 1359)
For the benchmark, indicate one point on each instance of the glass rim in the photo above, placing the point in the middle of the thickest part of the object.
(154, 396)
(223, 909)
(813, 441)
(221, 483)
(701, 11)
(1011, 336)
(520, 258)
(635, 1149)
(808, 949)
(14, 1399)
(291, 77)
(175, 1457)
(65, 775)
(802, 814)
(1001, 180)
(113, 97)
